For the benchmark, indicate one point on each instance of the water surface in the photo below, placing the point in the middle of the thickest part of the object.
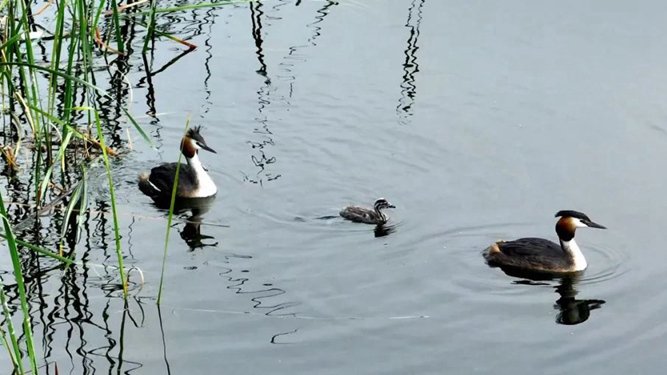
(479, 121)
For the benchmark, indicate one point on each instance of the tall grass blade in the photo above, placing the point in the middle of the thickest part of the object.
(169, 219)
(116, 22)
(139, 129)
(77, 202)
(114, 211)
(38, 249)
(18, 275)
(151, 26)
(14, 351)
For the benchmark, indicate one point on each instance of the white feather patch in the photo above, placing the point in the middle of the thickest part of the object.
(153, 185)
(580, 263)
(206, 186)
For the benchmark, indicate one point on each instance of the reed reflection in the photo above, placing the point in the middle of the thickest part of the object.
(261, 157)
(68, 320)
(410, 65)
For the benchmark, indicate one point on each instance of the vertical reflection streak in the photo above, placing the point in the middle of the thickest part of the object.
(164, 340)
(410, 65)
(261, 161)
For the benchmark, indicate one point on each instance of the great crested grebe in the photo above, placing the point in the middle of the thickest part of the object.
(366, 215)
(193, 179)
(537, 254)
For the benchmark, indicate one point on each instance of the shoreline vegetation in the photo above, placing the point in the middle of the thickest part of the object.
(65, 110)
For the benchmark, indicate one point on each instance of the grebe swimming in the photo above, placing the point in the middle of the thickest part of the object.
(193, 179)
(538, 254)
(366, 215)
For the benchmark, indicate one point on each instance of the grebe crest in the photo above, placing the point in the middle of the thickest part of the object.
(193, 178)
(366, 215)
(537, 254)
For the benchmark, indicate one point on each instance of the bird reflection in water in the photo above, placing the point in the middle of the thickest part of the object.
(380, 230)
(191, 232)
(384, 230)
(571, 310)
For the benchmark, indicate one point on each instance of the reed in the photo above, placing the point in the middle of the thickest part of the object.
(20, 285)
(170, 217)
(114, 210)
(54, 116)
(14, 351)
(47, 98)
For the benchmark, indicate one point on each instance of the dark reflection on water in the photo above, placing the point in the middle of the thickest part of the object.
(237, 284)
(410, 65)
(260, 159)
(278, 337)
(191, 232)
(65, 316)
(194, 211)
(571, 310)
(209, 20)
(256, 14)
(384, 230)
(123, 365)
(164, 341)
(261, 147)
(263, 158)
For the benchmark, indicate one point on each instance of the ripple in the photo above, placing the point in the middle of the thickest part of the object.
(605, 263)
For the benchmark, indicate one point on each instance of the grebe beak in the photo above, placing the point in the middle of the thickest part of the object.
(391, 206)
(591, 224)
(205, 147)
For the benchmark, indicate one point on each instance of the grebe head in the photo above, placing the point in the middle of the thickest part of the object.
(571, 220)
(382, 204)
(192, 142)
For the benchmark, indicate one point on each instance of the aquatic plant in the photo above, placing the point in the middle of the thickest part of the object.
(174, 189)
(56, 125)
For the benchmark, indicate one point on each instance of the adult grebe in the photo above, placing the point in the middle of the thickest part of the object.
(193, 179)
(366, 215)
(537, 254)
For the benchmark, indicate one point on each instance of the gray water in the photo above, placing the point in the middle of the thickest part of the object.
(478, 121)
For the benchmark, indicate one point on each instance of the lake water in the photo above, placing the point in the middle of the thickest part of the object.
(479, 121)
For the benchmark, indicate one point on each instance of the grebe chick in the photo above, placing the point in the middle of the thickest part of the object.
(537, 254)
(193, 179)
(366, 215)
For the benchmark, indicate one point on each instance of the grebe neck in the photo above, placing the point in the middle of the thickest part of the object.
(205, 185)
(195, 164)
(380, 214)
(572, 249)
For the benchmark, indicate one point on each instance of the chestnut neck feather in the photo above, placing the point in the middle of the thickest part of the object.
(565, 228)
(187, 148)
